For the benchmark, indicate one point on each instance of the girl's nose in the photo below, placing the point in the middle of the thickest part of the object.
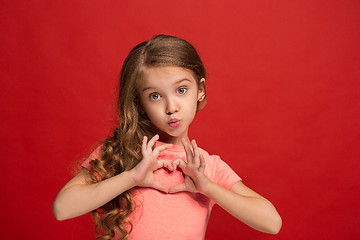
(171, 107)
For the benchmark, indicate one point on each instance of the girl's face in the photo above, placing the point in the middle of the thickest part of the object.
(169, 97)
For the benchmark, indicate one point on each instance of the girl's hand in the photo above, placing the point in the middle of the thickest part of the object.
(143, 172)
(195, 179)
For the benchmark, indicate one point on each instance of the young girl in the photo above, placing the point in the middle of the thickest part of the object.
(148, 180)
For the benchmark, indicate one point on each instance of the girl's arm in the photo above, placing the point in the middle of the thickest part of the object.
(79, 196)
(246, 205)
(241, 202)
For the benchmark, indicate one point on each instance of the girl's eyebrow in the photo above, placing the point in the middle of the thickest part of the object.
(181, 80)
(175, 83)
(147, 88)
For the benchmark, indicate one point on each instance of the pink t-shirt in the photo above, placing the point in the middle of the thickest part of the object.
(181, 215)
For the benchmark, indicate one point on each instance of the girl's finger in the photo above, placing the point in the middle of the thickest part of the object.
(175, 163)
(178, 188)
(182, 164)
(160, 187)
(189, 154)
(160, 148)
(202, 163)
(143, 146)
(152, 142)
(178, 163)
(164, 163)
(196, 152)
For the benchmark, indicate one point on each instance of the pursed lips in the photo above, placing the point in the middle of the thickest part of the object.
(174, 122)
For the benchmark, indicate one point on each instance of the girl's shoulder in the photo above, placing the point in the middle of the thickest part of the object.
(219, 171)
(212, 160)
(209, 156)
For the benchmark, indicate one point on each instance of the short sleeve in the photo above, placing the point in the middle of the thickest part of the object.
(224, 175)
(94, 155)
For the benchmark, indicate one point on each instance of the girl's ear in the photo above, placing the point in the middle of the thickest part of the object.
(201, 93)
(141, 110)
(140, 107)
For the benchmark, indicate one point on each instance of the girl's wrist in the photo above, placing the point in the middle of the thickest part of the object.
(130, 174)
(207, 186)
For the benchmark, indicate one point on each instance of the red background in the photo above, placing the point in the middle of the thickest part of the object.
(283, 104)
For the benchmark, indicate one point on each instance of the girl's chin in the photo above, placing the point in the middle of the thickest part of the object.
(172, 137)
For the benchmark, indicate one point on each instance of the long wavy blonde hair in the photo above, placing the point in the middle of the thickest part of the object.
(122, 151)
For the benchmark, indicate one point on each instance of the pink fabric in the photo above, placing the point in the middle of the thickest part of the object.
(175, 216)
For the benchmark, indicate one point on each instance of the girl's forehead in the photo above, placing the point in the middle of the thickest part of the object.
(166, 75)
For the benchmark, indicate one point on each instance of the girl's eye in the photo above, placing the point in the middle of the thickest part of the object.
(154, 96)
(181, 90)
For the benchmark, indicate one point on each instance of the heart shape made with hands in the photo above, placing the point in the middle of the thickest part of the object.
(168, 177)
